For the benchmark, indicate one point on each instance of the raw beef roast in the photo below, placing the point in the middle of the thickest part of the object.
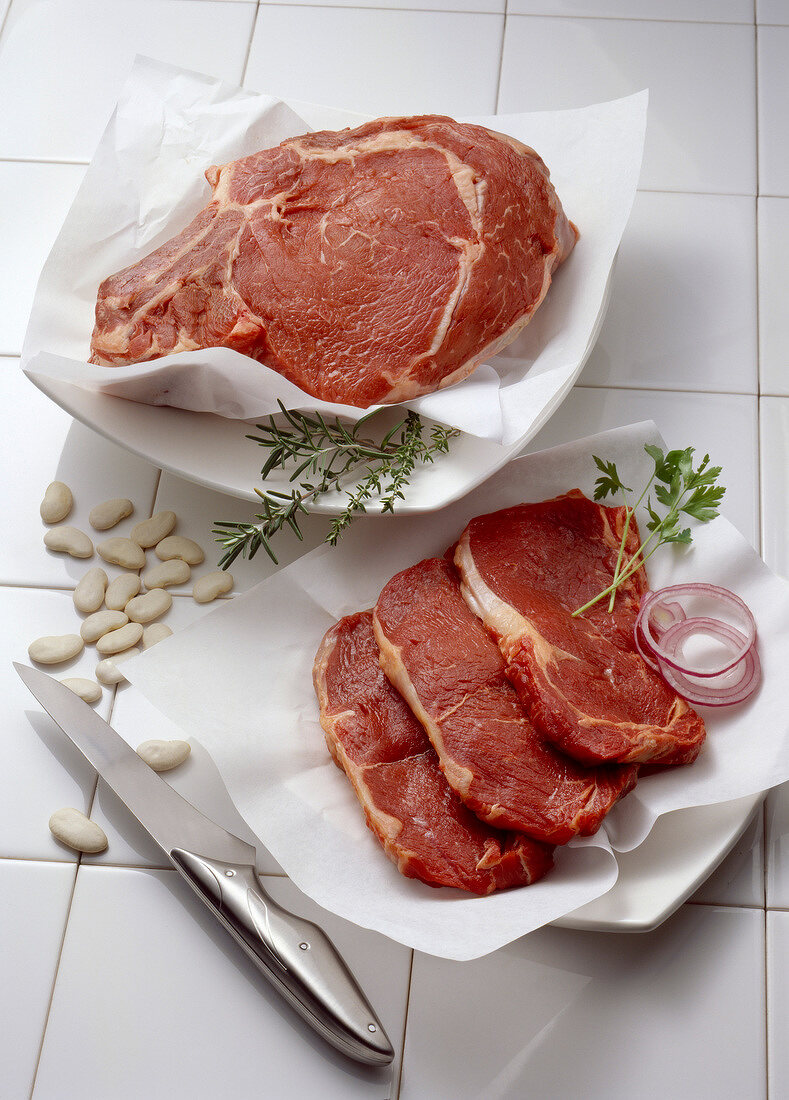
(424, 828)
(367, 265)
(586, 688)
(439, 656)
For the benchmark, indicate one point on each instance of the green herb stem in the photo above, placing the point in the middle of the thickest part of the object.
(679, 488)
(323, 455)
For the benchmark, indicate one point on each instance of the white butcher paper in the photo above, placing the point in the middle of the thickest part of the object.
(240, 682)
(146, 183)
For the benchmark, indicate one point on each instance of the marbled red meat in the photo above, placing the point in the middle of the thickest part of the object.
(367, 265)
(423, 826)
(440, 657)
(586, 688)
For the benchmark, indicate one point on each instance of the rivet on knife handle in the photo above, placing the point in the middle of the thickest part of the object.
(293, 953)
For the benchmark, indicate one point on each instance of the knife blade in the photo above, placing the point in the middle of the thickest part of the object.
(293, 953)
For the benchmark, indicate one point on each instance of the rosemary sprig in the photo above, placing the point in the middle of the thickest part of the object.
(322, 453)
(679, 488)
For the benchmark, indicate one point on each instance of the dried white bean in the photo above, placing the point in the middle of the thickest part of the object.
(170, 572)
(88, 690)
(108, 671)
(118, 640)
(69, 540)
(212, 585)
(164, 755)
(178, 546)
(154, 633)
(89, 593)
(145, 608)
(110, 512)
(153, 530)
(77, 831)
(121, 590)
(101, 623)
(54, 649)
(122, 552)
(57, 503)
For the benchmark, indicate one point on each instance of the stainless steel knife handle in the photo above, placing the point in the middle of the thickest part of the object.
(293, 953)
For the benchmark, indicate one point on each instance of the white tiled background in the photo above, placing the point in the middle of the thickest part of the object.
(114, 984)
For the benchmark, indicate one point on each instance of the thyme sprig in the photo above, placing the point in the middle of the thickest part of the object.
(678, 487)
(323, 453)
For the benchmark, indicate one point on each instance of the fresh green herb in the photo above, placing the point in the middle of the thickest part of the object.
(679, 488)
(323, 452)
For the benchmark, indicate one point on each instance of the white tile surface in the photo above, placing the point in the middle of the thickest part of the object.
(691, 258)
(198, 508)
(777, 1003)
(772, 11)
(701, 82)
(179, 1011)
(772, 52)
(71, 57)
(739, 880)
(494, 6)
(562, 998)
(42, 771)
(709, 11)
(378, 62)
(54, 447)
(773, 280)
(32, 918)
(774, 418)
(777, 843)
(34, 200)
(542, 1017)
(723, 425)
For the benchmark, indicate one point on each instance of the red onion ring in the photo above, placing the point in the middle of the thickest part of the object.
(654, 640)
(662, 627)
(711, 696)
(663, 615)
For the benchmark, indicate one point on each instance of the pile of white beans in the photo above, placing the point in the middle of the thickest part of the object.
(121, 616)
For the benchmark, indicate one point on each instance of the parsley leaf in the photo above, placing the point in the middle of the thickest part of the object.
(678, 488)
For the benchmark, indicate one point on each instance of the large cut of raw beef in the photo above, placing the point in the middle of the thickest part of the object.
(423, 826)
(586, 688)
(441, 659)
(367, 265)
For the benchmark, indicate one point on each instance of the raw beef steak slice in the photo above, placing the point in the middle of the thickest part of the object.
(439, 656)
(586, 688)
(423, 826)
(367, 265)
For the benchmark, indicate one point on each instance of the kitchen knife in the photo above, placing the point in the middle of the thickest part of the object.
(294, 954)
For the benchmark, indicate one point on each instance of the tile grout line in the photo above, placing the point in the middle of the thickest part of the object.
(760, 528)
(44, 160)
(766, 1011)
(521, 14)
(55, 975)
(755, 905)
(4, 20)
(40, 859)
(396, 1095)
(249, 44)
(159, 473)
(386, 7)
(759, 449)
(664, 389)
(501, 57)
